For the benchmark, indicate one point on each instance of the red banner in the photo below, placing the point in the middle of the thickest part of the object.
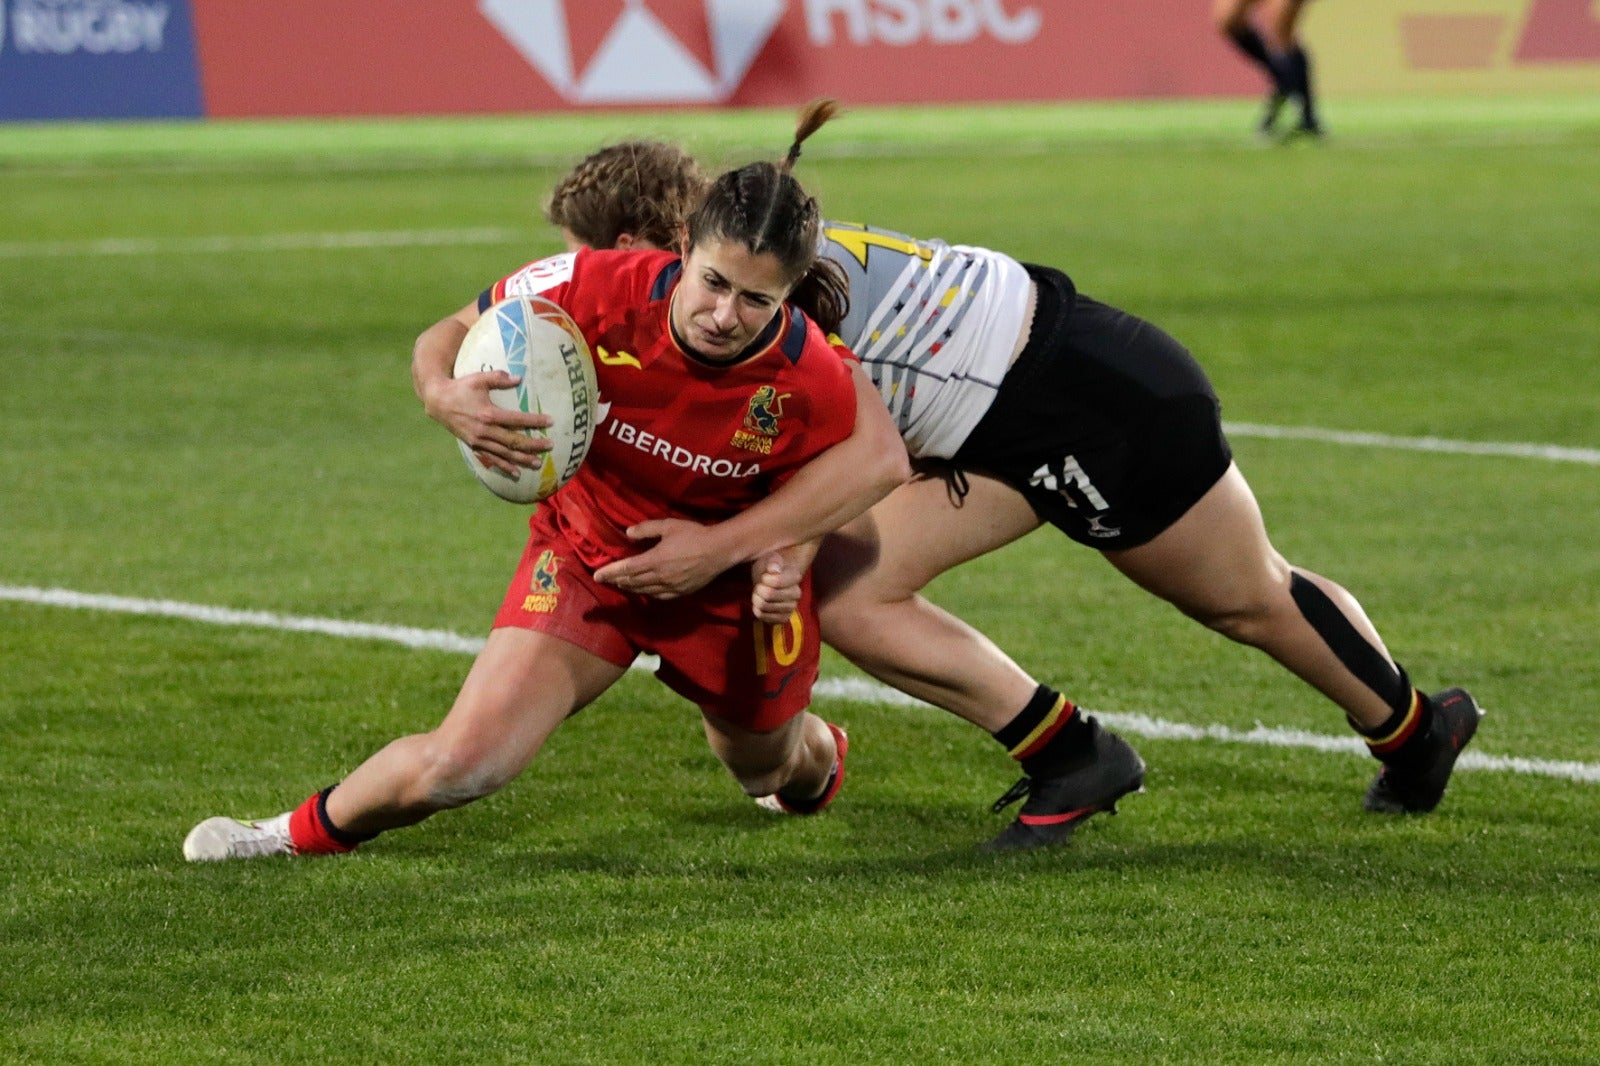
(1561, 31)
(371, 57)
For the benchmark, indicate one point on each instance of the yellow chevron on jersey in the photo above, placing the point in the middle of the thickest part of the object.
(617, 358)
(857, 241)
(934, 325)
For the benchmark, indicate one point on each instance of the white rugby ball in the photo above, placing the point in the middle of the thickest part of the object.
(537, 341)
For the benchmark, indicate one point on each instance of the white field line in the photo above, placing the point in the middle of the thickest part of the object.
(435, 639)
(270, 242)
(1549, 452)
(854, 690)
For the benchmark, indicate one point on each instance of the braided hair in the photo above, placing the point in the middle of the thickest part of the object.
(764, 208)
(644, 188)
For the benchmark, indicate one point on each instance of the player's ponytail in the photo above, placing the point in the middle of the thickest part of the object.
(823, 292)
(812, 118)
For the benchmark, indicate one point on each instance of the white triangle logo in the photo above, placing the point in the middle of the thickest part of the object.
(739, 30)
(537, 29)
(639, 61)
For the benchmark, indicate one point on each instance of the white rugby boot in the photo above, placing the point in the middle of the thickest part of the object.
(228, 838)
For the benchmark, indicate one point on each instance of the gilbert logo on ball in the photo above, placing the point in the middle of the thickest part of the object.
(535, 340)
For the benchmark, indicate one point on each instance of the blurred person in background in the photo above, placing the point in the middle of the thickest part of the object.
(1279, 53)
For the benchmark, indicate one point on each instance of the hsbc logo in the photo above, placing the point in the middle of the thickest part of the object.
(638, 51)
(899, 23)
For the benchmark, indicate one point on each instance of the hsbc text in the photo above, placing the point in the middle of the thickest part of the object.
(906, 22)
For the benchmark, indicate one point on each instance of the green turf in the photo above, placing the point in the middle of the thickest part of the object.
(236, 428)
(911, 129)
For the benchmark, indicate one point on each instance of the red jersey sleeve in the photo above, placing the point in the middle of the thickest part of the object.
(549, 278)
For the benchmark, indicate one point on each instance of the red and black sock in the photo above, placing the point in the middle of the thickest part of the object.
(313, 833)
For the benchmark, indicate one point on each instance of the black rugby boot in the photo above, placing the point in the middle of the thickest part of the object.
(1413, 779)
(1059, 801)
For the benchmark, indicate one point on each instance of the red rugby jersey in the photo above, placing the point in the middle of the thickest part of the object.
(677, 437)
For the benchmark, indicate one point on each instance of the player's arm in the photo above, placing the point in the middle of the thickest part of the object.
(822, 495)
(462, 404)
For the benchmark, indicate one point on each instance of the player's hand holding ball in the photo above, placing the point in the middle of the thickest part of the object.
(499, 437)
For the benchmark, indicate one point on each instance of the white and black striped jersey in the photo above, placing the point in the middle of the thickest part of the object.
(934, 324)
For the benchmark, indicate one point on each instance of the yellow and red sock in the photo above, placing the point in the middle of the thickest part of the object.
(1047, 727)
(1390, 737)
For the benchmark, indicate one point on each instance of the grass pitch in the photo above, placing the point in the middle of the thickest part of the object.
(204, 335)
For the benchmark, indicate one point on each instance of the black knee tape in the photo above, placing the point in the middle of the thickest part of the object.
(1366, 662)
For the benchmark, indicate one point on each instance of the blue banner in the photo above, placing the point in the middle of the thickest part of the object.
(98, 59)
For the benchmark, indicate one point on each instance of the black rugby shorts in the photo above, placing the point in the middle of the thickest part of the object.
(1105, 423)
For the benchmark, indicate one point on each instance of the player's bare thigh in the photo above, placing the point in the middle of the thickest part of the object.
(916, 533)
(1278, 18)
(1216, 560)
